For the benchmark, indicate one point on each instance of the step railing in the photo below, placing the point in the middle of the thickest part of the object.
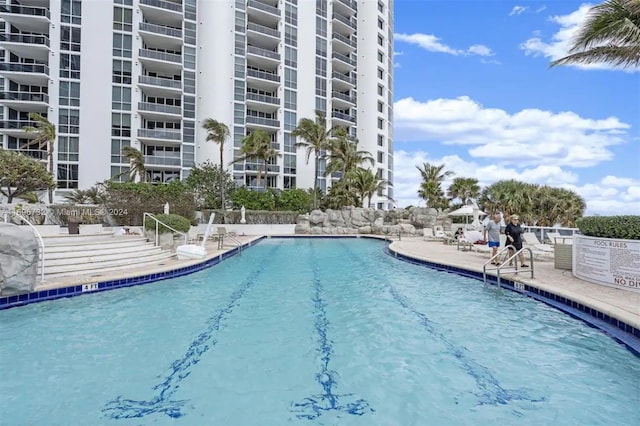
(504, 264)
(6, 213)
(158, 223)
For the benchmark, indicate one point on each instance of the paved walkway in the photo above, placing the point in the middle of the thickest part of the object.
(618, 303)
(621, 304)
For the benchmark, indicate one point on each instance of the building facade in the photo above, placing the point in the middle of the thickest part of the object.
(147, 73)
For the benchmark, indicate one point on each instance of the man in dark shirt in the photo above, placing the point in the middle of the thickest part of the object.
(513, 231)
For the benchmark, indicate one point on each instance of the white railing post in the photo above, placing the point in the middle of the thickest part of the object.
(156, 232)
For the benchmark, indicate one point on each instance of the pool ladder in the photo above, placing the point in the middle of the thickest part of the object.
(504, 264)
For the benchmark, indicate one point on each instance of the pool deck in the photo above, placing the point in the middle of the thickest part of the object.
(621, 304)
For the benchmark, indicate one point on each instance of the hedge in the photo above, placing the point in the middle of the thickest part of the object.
(620, 227)
(177, 222)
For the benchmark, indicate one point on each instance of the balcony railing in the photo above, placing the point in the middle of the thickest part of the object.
(16, 124)
(162, 82)
(163, 56)
(252, 167)
(167, 109)
(344, 97)
(168, 5)
(264, 7)
(25, 38)
(161, 29)
(263, 52)
(348, 22)
(19, 67)
(263, 30)
(347, 40)
(263, 75)
(344, 58)
(25, 96)
(350, 4)
(263, 98)
(344, 77)
(174, 135)
(262, 121)
(343, 116)
(25, 10)
(162, 161)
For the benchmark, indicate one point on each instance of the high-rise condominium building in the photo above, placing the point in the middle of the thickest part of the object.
(147, 73)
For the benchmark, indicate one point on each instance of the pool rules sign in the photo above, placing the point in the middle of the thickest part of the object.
(605, 261)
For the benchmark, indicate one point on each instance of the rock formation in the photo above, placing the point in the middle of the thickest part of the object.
(18, 257)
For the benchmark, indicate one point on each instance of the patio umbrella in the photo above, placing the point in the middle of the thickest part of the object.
(467, 210)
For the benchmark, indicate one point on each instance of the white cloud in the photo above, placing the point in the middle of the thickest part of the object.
(560, 43)
(601, 197)
(526, 138)
(517, 10)
(431, 43)
(540, 9)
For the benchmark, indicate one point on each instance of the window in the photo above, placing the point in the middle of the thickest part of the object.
(120, 124)
(290, 164)
(380, 157)
(380, 40)
(380, 56)
(289, 182)
(121, 98)
(71, 11)
(122, 19)
(380, 90)
(380, 24)
(380, 73)
(190, 33)
(189, 110)
(67, 176)
(291, 14)
(290, 78)
(380, 106)
(69, 121)
(189, 82)
(321, 104)
(290, 56)
(321, 86)
(122, 45)
(321, 47)
(121, 71)
(190, 57)
(290, 35)
(69, 93)
(380, 140)
(321, 67)
(289, 144)
(321, 26)
(116, 150)
(289, 120)
(380, 123)
(69, 66)
(380, 7)
(68, 147)
(290, 99)
(70, 38)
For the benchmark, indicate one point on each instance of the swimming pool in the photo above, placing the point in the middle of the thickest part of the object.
(310, 331)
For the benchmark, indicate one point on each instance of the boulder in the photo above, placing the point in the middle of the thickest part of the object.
(18, 257)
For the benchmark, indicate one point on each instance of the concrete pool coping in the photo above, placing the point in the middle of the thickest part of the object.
(556, 287)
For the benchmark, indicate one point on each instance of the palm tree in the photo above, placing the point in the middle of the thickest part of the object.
(509, 197)
(431, 186)
(257, 145)
(610, 34)
(45, 138)
(136, 163)
(315, 137)
(344, 155)
(365, 184)
(465, 189)
(217, 132)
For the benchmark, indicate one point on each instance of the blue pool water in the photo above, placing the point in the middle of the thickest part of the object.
(310, 332)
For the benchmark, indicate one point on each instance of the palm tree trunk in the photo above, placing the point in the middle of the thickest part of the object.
(222, 181)
(315, 183)
(51, 171)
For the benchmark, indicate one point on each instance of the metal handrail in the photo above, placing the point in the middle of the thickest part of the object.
(158, 221)
(35, 231)
(504, 263)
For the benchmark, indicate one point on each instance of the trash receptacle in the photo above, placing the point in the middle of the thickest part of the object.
(74, 229)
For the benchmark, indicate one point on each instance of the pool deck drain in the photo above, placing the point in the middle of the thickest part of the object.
(623, 305)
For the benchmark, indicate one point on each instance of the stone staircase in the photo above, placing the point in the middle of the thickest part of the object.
(97, 254)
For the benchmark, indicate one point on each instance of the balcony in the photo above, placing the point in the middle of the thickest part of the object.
(31, 74)
(255, 97)
(16, 128)
(161, 61)
(261, 122)
(253, 167)
(262, 58)
(349, 6)
(161, 36)
(263, 30)
(159, 111)
(263, 52)
(347, 44)
(162, 162)
(26, 46)
(25, 101)
(343, 97)
(26, 18)
(351, 81)
(160, 137)
(262, 80)
(263, 13)
(343, 62)
(162, 12)
(262, 36)
(160, 87)
(344, 24)
(342, 116)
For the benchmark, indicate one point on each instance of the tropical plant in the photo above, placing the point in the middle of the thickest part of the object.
(206, 182)
(340, 195)
(621, 227)
(344, 155)
(175, 221)
(365, 184)
(464, 189)
(45, 139)
(136, 163)
(553, 206)
(218, 132)
(315, 138)
(257, 145)
(431, 186)
(77, 196)
(20, 175)
(294, 200)
(610, 34)
(509, 197)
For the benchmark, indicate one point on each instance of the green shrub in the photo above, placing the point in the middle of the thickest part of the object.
(621, 227)
(177, 222)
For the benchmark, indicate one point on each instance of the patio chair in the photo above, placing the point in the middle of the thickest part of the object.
(533, 242)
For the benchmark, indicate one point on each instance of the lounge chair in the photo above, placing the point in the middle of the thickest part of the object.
(533, 242)
(556, 238)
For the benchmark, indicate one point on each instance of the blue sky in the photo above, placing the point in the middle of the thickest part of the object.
(473, 91)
